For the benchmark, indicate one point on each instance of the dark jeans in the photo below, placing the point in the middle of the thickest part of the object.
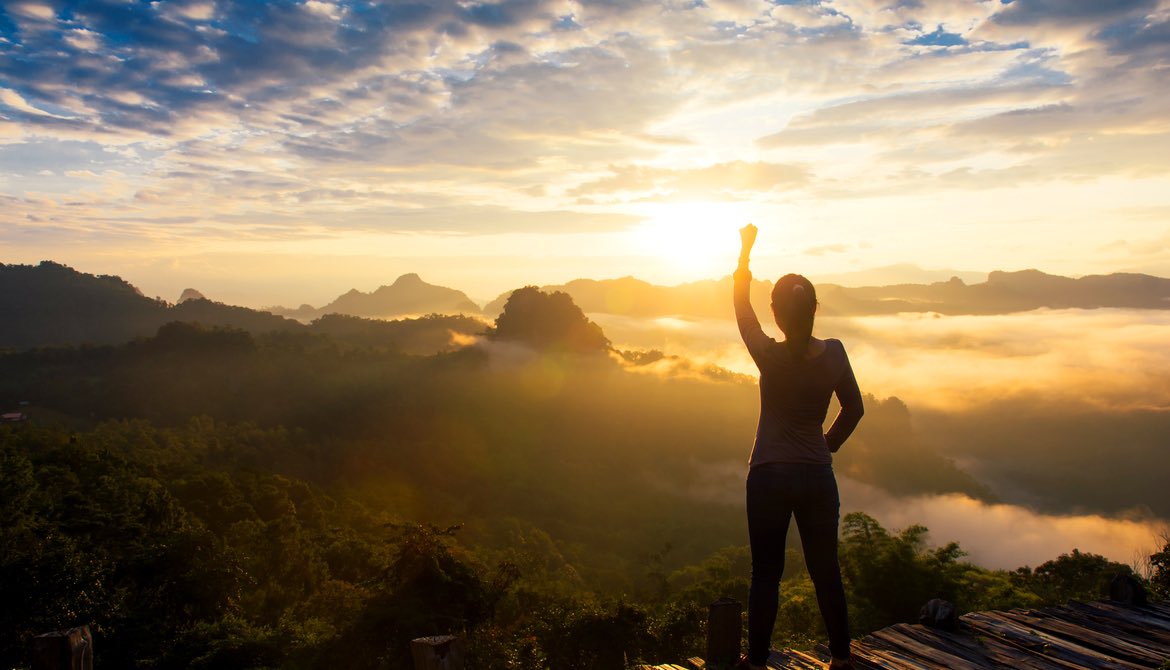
(776, 492)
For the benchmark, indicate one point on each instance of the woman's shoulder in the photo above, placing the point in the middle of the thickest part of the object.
(835, 345)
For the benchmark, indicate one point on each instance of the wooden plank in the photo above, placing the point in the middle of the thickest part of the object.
(900, 661)
(1041, 643)
(779, 658)
(789, 659)
(949, 650)
(940, 655)
(1162, 607)
(1154, 639)
(860, 658)
(1078, 636)
(1107, 645)
(810, 660)
(1139, 615)
(864, 661)
(1006, 655)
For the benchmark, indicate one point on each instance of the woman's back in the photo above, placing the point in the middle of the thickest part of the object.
(794, 399)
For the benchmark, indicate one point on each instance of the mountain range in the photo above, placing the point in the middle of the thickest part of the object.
(52, 304)
(1002, 293)
(409, 295)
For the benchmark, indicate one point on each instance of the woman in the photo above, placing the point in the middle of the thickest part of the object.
(791, 466)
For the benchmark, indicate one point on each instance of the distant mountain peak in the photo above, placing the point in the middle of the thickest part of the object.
(408, 279)
(190, 294)
(408, 295)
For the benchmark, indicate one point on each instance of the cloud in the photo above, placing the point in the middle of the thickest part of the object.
(1007, 536)
(1080, 12)
(952, 363)
(827, 249)
(33, 10)
(16, 102)
(711, 181)
(544, 105)
(997, 536)
(1110, 360)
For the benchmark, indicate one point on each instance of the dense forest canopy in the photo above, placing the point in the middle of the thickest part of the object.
(216, 498)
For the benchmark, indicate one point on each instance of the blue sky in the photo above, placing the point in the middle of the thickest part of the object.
(288, 151)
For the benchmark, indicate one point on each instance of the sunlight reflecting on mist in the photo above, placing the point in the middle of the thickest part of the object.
(1104, 358)
(999, 536)
(1006, 536)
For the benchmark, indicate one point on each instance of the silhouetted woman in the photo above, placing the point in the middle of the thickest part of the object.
(791, 467)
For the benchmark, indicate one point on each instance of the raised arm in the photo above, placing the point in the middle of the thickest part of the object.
(745, 317)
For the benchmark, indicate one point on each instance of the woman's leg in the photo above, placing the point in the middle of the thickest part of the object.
(768, 514)
(817, 518)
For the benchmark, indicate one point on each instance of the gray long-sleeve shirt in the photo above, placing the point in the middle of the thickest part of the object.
(795, 394)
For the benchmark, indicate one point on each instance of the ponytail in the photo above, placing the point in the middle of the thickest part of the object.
(794, 303)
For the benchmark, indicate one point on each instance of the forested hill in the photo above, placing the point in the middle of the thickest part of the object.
(54, 305)
(1002, 293)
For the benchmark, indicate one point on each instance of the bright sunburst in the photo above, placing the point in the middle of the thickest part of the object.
(694, 240)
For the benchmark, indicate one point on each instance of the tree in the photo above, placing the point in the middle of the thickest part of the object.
(548, 322)
(890, 576)
(1160, 566)
(1075, 576)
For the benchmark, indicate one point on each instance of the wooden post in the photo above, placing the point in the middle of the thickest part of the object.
(724, 627)
(438, 652)
(70, 649)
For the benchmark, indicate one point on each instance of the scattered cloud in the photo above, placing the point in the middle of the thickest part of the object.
(827, 249)
(723, 179)
(537, 106)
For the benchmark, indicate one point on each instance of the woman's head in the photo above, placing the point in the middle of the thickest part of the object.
(794, 304)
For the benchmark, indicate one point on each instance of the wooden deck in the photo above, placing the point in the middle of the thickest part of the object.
(1088, 636)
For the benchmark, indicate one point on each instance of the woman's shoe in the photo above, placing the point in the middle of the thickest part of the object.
(842, 664)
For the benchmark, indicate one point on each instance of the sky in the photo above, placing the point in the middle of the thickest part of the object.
(285, 152)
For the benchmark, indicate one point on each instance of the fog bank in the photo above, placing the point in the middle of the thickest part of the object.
(1111, 359)
(1007, 536)
(999, 536)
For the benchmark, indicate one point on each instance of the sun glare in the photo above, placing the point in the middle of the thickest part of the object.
(694, 240)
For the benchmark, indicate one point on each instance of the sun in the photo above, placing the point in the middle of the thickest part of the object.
(694, 240)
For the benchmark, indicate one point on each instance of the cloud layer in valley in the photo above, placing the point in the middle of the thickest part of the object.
(1103, 359)
(1061, 413)
(994, 535)
(1009, 536)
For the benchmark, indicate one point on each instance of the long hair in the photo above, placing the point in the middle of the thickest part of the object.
(794, 304)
